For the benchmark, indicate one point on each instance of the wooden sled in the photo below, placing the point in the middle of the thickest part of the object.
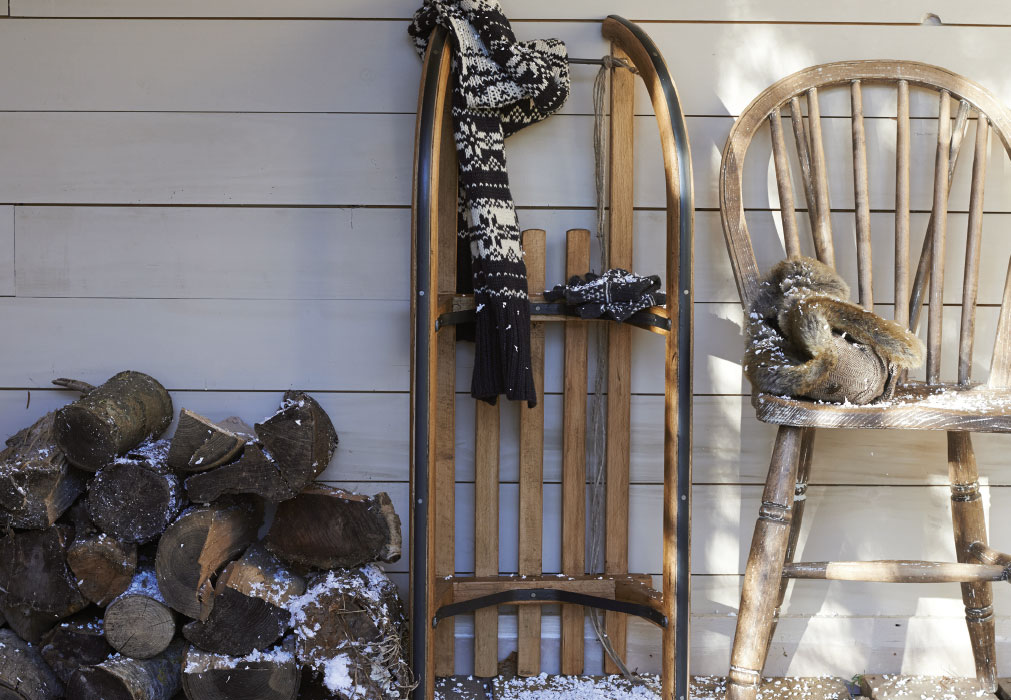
(438, 594)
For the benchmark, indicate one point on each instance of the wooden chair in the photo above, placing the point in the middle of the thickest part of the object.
(960, 407)
(438, 594)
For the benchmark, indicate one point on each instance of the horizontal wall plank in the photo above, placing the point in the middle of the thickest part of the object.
(355, 159)
(193, 344)
(372, 428)
(723, 517)
(219, 253)
(860, 11)
(77, 65)
(820, 646)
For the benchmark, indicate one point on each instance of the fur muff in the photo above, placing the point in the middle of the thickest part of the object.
(806, 340)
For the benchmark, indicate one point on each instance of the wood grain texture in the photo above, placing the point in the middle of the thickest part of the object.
(784, 185)
(938, 229)
(901, 296)
(531, 485)
(970, 275)
(822, 222)
(860, 194)
(574, 459)
(486, 529)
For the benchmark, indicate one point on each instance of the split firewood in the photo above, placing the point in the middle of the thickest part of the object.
(253, 473)
(136, 497)
(249, 609)
(123, 678)
(35, 573)
(77, 642)
(24, 674)
(138, 623)
(37, 483)
(273, 674)
(30, 625)
(300, 437)
(195, 547)
(326, 527)
(350, 629)
(111, 419)
(102, 566)
(199, 444)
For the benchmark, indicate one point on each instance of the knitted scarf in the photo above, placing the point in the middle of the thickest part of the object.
(500, 85)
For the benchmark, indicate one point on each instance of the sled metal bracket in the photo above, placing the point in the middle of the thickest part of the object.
(549, 595)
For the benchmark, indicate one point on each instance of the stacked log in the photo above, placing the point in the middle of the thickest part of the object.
(114, 586)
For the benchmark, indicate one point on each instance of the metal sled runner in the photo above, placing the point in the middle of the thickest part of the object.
(438, 593)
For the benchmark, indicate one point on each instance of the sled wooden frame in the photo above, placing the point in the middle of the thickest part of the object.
(435, 308)
(918, 405)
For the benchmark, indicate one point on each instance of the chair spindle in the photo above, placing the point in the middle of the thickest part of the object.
(823, 217)
(803, 156)
(902, 204)
(970, 280)
(785, 186)
(938, 226)
(860, 195)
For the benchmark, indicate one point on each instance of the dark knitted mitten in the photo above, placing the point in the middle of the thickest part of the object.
(615, 294)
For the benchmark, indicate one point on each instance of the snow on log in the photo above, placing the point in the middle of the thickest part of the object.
(37, 483)
(194, 547)
(77, 642)
(111, 419)
(325, 527)
(123, 678)
(274, 674)
(350, 630)
(249, 608)
(199, 444)
(138, 623)
(24, 675)
(137, 496)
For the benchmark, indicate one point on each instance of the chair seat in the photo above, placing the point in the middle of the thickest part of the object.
(917, 406)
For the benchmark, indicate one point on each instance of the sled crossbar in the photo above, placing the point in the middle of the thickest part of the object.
(439, 593)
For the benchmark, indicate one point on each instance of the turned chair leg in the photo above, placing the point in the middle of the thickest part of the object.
(970, 526)
(764, 571)
(799, 500)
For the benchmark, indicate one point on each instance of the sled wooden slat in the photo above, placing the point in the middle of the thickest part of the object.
(954, 404)
(902, 203)
(861, 197)
(619, 347)
(938, 228)
(577, 262)
(531, 476)
(974, 235)
(784, 185)
(486, 486)
(438, 308)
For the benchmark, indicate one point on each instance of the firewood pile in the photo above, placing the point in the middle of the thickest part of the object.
(136, 568)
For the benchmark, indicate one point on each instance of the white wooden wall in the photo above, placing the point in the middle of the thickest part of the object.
(217, 192)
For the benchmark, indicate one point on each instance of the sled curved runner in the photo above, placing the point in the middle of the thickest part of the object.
(437, 593)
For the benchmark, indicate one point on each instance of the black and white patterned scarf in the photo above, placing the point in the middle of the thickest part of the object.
(500, 85)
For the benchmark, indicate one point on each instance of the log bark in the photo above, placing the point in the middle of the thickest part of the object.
(112, 419)
(249, 609)
(30, 625)
(271, 675)
(350, 629)
(300, 437)
(24, 675)
(37, 483)
(326, 527)
(102, 566)
(195, 547)
(35, 573)
(136, 497)
(253, 473)
(138, 623)
(199, 444)
(123, 678)
(75, 643)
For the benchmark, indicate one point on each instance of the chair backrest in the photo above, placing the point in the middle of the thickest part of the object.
(809, 165)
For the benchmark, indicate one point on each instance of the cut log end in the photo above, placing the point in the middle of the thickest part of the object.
(300, 437)
(139, 625)
(123, 678)
(75, 643)
(24, 674)
(134, 500)
(253, 473)
(270, 675)
(102, 566)
(200, 444)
